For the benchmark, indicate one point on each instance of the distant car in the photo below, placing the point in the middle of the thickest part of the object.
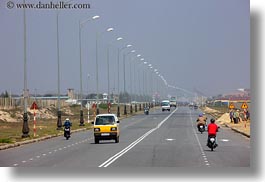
(165, 104)
(173, 102)
(195, 107)
(106, 127)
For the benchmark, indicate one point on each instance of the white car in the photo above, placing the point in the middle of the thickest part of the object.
(165, 104)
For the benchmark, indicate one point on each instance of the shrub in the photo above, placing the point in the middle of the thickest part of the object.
(5, 140)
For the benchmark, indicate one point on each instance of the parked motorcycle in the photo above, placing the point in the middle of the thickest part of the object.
(67, 133)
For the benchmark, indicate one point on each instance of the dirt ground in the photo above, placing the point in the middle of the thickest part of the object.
(224, 120)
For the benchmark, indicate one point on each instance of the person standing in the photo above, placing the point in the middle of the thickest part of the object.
(247, 115)
(236, 116)
(231, 114)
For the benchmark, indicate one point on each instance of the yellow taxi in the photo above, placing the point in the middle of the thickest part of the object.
(106, 127)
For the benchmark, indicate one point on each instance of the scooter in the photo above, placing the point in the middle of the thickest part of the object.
(201, 128)
(146, 110)
(67, 133)
(212, 142)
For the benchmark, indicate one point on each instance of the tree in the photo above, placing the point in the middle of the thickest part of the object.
(4, 94)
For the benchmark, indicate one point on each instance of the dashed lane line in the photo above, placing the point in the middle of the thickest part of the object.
(202, 151)
(55, 150)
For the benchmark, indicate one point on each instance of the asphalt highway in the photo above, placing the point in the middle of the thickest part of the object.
(160, 139)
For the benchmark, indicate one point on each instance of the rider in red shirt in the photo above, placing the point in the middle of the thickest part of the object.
(212, 129)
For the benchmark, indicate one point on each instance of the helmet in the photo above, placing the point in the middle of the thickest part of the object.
(67, 119)
(212, 120)
(200, 115)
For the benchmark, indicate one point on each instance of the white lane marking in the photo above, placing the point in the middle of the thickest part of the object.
(31, 159)
(224, 140)
(170, 139)
(202, 151)
(129, 147)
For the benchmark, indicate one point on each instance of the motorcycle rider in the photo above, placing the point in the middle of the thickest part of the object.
(146, 110)
(212, 130)
(67, 123)
(201, 120)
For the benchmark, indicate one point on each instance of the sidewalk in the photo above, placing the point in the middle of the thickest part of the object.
(242, 127)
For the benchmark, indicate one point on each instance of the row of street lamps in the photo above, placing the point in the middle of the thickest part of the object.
(25, 129)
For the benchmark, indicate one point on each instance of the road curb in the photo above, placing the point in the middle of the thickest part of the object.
(234, 129)
(238, 131)
(17, 144)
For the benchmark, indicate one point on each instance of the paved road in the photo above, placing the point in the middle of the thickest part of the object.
(161, 139)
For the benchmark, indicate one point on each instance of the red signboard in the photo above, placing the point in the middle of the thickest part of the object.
(34, 105)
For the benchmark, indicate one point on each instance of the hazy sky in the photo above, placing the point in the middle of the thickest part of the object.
(195, 44)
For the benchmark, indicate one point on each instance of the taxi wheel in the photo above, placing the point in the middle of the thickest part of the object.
(117, 139)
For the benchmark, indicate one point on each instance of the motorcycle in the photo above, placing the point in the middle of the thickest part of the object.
(212, 142)
(201, 128)
(67, 133)
(146, 110)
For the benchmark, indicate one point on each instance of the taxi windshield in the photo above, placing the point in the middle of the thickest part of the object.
(105, 120)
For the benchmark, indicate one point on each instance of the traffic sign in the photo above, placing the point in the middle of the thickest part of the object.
(244, 105)
(231, 106)
(34, 106)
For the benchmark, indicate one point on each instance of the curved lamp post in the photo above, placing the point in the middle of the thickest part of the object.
(118, 63)
(81, 23)
(97, 37)
(25, 129)
(118, 39)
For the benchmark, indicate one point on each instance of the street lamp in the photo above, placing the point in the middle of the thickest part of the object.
(118, 39)
(134, 79)
(118, 64)
(25, 129)
(124, 57)
(59, 122)
(124, 82)
(81, 23)
(151, 67)
(97, 37)
(144, 81)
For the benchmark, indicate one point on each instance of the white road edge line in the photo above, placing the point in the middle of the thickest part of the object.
(119, 154)
(202, 151)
